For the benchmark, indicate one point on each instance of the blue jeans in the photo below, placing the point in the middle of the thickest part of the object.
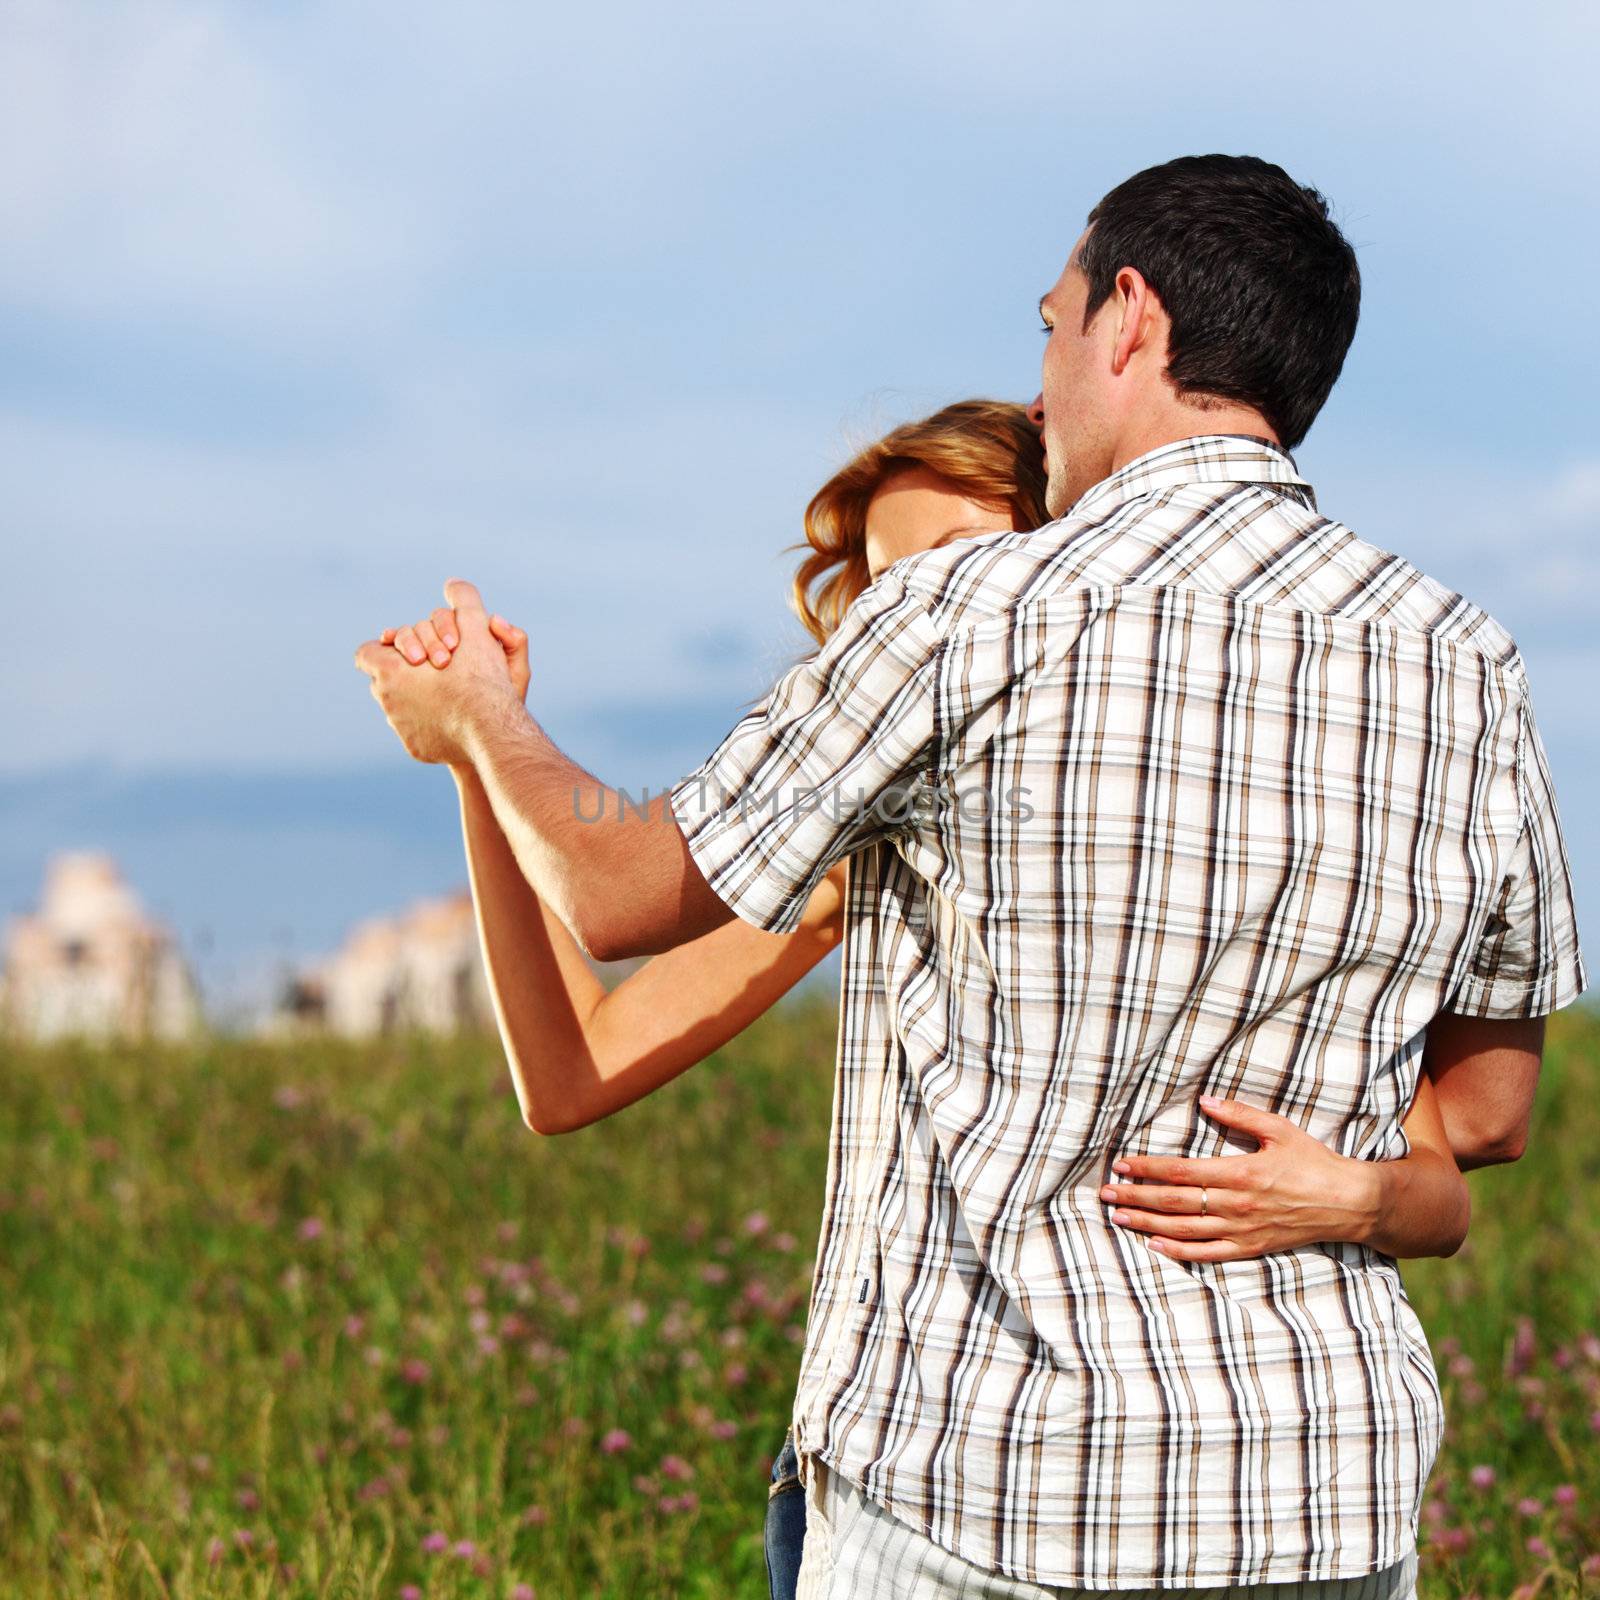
(786, 1522)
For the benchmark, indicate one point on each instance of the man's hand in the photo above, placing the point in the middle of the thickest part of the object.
(436, 636)
(432, 711)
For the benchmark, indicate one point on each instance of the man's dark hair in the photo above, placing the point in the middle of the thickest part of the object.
(1261, 287)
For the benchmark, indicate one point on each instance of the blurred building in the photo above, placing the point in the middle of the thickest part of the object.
(419, 970)
(89, 963)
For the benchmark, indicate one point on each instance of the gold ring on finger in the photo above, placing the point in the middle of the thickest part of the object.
(1202, 1200)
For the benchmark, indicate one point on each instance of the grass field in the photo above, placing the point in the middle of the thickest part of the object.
(327, 1320)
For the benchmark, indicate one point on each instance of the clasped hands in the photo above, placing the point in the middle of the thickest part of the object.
(440, 679)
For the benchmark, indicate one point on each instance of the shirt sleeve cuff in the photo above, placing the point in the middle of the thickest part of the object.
(1512, 997)
(716, 835)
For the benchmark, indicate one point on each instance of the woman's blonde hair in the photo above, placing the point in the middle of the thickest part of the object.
(988, 449)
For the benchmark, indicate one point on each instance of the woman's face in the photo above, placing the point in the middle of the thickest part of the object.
(916, 509)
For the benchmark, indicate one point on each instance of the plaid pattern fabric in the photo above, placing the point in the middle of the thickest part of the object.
(854, 1550)
(1190, 791)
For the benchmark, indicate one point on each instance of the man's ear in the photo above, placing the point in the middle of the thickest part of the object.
(1142, 318)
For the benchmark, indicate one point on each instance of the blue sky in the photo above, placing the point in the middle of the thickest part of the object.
(305, 308)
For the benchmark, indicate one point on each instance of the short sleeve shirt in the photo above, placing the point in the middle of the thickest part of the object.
(821, 767)
(1190, 791)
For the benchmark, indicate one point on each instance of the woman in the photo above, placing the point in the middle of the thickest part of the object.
(972, 469)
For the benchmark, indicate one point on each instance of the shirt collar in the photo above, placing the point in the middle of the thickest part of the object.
(1205, 458)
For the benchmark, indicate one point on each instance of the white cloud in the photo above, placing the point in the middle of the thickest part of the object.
(1573, 500)
(192, 603)
(151, 161)
(599, 285)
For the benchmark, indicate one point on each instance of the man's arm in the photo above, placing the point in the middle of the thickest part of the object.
(1484, 1050)
(624, 885)
(623, 882)
(1485, 1070)
(822, 767)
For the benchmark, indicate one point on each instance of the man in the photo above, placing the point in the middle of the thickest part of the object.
(1189, 792)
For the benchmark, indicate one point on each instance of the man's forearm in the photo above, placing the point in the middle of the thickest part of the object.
(529, 783)
(1485, 1073)
(1479, 1136)
(624, 884)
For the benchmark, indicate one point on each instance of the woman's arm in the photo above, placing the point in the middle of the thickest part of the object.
(1423, 1206)
(577, 1052)
(1293, 1190)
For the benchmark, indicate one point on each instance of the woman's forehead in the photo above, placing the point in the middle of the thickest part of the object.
(909, 497)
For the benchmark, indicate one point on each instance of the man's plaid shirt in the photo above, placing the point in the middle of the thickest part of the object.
(1190, 791)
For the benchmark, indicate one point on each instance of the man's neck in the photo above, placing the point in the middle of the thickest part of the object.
(1173, 424)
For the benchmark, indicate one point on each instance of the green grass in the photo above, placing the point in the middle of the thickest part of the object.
(271, 1315)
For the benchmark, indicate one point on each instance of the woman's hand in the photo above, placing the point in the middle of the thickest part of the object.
(436, 636)
(1291, 1191)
